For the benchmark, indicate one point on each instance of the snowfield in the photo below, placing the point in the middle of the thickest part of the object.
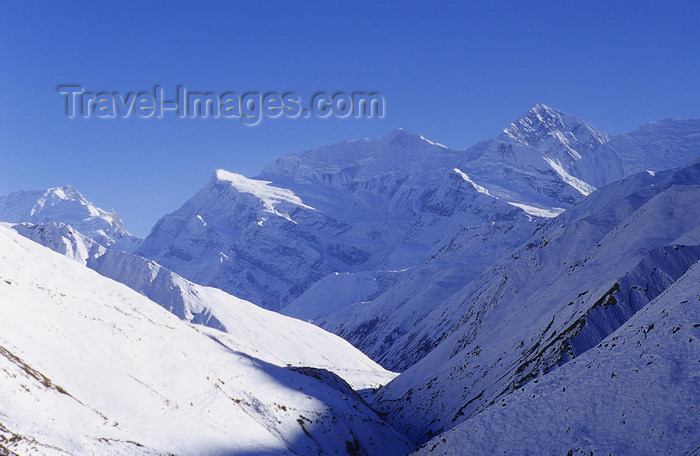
(89, 366)
(241, 325)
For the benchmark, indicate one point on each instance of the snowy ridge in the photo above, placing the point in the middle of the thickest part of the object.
(584, 188)
(476, 186)
(269, 195)
(388, 173)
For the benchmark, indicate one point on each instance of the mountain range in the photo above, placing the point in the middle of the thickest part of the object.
(509, 283)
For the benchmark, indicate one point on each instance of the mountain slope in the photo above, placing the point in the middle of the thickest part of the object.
(464, 231)
(338, 291)
(241, 325)
(634, 393)
(577, 280)
(656, 146)
(249, 238)
(92, 367)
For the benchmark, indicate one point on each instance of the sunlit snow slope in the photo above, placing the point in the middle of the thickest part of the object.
(88, 366)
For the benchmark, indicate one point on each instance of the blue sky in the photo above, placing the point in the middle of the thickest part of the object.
(456, 72)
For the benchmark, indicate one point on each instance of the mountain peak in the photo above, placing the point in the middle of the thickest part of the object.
(539, 122)
(399, 133)
(541, 108)
(65, 193)
(542, 125)
(68, 206)
(400, 136)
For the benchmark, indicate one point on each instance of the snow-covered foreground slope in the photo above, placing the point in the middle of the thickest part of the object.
(577, 280)
(247, 325)
(91, 367)
(241, 325)
(65, 205)
(637, 392)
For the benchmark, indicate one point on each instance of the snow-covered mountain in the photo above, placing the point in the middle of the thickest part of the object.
(578, 279)
(250, 238)
(464, 230)
(65, 205)
(362, 205)
(462, 246)
(634, 393)
(342, 208)
(511, 282)
(91, 367)
(538, 161)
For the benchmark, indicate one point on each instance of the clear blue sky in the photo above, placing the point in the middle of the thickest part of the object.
(456, 72)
